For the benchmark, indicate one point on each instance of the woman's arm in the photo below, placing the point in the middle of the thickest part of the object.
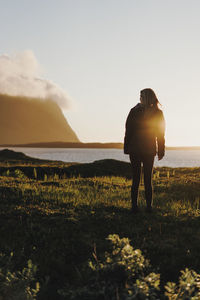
(160, 135)
(128, 132)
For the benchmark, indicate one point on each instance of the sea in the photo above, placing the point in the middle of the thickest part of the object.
(173, 158)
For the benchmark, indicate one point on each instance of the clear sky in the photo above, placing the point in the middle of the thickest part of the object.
(103, 52)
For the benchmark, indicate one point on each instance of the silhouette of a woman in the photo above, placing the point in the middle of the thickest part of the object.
(144, 138)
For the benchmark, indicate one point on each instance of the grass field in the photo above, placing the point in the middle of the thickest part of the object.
(59, 219)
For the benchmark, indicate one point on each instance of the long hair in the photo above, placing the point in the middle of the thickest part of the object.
(149, 98)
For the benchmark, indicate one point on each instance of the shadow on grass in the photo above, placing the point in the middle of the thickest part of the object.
(61, 242)
(170, 243)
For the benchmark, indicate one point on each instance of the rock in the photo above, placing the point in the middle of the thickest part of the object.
(24, 120)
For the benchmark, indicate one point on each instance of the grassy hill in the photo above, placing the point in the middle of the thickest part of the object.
(58, 221)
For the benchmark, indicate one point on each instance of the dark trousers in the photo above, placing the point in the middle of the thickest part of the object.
(136, 162)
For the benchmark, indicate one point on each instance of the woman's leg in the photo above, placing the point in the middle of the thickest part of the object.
(148, 167)
(136, 171)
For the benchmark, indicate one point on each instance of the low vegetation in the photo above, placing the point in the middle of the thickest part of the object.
(70, 234)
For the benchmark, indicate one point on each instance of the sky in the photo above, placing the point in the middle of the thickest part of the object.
(96, 55)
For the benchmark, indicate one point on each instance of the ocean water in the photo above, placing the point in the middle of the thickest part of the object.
(173, 158)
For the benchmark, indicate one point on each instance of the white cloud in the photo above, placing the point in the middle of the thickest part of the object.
(20, 76)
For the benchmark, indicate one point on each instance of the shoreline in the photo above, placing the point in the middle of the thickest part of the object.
(86, 146)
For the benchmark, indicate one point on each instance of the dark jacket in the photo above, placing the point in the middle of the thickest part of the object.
(145, 131)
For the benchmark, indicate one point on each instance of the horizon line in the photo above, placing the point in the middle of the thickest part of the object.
(119, 144)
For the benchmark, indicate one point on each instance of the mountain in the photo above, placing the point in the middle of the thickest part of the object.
(29, 120)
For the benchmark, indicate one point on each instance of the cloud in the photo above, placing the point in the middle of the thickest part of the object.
(20, 76)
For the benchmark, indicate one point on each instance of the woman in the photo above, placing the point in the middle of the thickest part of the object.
(144, 138)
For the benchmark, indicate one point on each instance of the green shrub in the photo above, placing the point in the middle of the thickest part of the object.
(122, 274)
(19, 285)
(19, 174)
(15, 173)
(125, 274)
(188, 287)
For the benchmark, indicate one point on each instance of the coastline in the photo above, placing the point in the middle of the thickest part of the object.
(87, 145)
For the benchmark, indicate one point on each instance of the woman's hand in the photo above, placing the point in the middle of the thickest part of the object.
(160, 156)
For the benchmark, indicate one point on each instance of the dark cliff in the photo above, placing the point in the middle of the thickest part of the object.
(24, 120)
